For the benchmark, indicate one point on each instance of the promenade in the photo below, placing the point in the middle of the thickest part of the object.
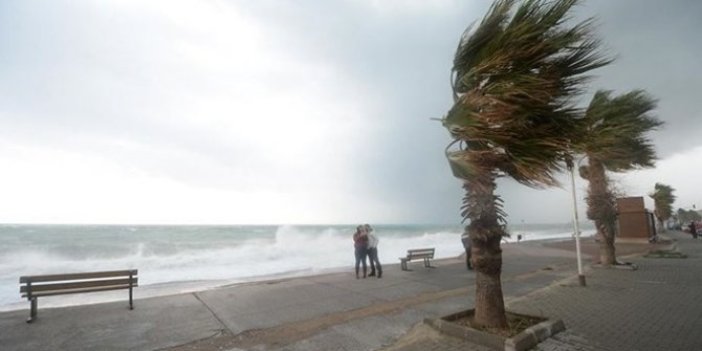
(652, 308)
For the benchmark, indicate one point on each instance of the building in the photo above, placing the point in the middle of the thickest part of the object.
(635, 222)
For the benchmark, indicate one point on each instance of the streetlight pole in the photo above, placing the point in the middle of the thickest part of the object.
(581, 276)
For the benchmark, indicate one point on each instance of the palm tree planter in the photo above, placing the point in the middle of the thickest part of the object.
(669, 253)
(526, 331)
(628, 266)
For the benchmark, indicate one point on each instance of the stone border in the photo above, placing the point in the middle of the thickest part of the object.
(628, 266)
(523, 341)
(665, 254)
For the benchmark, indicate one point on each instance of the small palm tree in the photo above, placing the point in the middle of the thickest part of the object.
(663, 200)
(514, 77)
(612, 137)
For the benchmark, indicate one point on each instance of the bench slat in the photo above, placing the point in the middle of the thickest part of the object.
(421, 252)
(412, 257)
(77, 285)
(76, 291)
(75, 276)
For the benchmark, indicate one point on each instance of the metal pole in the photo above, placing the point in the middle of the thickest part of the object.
(581, 276)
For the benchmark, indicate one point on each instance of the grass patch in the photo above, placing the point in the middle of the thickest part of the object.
(665, 254)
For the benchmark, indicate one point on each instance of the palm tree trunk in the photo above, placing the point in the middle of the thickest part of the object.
(608, 255)
(661, 225)
(482, 209)
(601, 210)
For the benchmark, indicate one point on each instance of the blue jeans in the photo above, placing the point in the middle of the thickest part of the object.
(374, 261)
(361, 253)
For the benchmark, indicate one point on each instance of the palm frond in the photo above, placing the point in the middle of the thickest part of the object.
(514, 79)
(615, 127)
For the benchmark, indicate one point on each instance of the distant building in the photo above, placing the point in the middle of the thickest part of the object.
(635, 222)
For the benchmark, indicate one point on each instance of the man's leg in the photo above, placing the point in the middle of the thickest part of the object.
(358, 261)
(371, 258)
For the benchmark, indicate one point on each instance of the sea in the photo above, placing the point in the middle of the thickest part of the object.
(182, 258)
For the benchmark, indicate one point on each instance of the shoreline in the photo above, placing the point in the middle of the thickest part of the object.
(163, 289)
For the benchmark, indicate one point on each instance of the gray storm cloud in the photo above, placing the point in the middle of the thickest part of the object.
(327, 104)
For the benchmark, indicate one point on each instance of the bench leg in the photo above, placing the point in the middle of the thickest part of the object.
(427, 264)
(131, 287)
(32, 310)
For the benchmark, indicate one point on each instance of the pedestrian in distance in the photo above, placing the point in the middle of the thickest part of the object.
(360, 245)
(693, 229)
(465, 239)
(373, 252)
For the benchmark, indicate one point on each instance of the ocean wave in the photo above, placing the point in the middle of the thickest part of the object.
(186, 254)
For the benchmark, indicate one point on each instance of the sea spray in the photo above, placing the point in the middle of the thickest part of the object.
(171, 259)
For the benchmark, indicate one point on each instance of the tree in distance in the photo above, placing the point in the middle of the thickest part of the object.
(663, 200)
(613, 138)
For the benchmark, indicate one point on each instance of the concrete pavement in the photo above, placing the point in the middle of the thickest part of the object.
(656, 307)
(653, 308)
(338, 312)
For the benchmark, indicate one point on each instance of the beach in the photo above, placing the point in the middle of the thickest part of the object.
(334, 311)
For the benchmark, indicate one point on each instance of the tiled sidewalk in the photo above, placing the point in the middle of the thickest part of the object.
(653, 308)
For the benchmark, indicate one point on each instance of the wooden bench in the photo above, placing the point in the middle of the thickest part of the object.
(33, 287)
(417, 254)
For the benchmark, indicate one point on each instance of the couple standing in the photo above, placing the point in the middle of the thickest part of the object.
(365, 243)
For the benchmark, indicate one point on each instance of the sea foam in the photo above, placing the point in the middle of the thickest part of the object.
(173, 259)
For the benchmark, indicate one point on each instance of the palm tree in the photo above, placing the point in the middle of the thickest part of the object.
(663, 199)
(513, 79)
(612, 137)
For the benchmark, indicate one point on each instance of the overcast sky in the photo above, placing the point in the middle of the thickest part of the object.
(132, 111)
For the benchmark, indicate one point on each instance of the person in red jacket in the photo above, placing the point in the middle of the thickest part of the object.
(693, 229)
(360, 245)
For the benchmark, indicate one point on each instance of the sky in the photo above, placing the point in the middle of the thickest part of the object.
(289, 112)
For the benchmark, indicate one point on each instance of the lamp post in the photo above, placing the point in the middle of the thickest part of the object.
(576, 228)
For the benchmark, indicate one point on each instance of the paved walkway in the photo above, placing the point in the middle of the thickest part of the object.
(647, 309)
(656, 307)
(653, 308)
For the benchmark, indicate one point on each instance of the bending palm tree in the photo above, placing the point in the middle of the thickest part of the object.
(513, 79)
(613, 139)
(663, 199)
